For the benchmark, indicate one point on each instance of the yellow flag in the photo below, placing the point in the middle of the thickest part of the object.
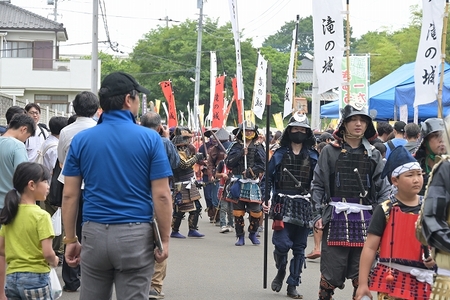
(201, 113)
(157, 105)
(278, 117)
(250, 116)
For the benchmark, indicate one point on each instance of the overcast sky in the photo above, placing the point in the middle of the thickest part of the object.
(129, 20)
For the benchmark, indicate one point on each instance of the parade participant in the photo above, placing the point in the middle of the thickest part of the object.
(435, 225)
(126, 173)
(402, 259)
(152, 120)
(185, 193)
(345, 198)
(216, 154)
(289, 174)
(247, 164)
(202, 174)
(431, 148)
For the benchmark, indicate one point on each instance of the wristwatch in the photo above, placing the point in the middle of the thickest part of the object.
(70, 241)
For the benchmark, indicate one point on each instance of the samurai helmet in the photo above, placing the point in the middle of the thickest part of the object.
(349, 111)
(182, 136)
(248, 126)
(301, 120)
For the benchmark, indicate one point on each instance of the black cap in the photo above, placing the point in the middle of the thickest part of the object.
(399, 126)
(120, 83)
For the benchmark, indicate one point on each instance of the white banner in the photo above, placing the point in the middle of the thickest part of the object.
(328, 31)
(212, 82)
(237, 45)
(166, 111)
(288, 96)
(259, 90)
(426, 70)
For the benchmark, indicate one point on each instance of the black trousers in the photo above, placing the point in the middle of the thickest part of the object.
(71, 275)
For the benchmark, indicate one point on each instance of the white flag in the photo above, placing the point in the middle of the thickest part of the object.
(189, 122)
(166, 111)
(237, 45)
(288, 93)
(328, 31)
(426, 70)
(212, 83)
(259, 90)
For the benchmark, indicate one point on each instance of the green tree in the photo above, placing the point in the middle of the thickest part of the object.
(170, 53)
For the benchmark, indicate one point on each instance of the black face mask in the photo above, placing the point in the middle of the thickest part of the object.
(298, 137)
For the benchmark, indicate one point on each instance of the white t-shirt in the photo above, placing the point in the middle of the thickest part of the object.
(34, 143)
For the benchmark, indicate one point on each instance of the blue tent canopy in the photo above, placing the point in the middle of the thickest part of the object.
(383, 93)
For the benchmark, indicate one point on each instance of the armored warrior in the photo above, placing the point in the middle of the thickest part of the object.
(435, 225)
(431, 147)
(185, 193)
(246, 164)
(289, 174)
(347, 185)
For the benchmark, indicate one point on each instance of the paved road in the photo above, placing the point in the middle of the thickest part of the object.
(213, 268)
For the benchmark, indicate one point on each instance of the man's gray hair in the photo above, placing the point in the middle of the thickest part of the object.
(151, 120)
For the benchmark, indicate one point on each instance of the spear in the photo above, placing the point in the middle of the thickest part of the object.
(266, 196)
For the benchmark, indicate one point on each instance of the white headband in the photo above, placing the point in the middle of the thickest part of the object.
(405, 168)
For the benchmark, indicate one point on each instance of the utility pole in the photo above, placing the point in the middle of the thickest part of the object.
(55, 11)
(198, 63)
(94, 55)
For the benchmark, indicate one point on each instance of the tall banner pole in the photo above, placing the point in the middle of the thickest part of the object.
(348, 48)
(294, 75)
(443, 44)
(266, 191)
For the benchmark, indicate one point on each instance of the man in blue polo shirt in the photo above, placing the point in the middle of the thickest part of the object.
(121, 164)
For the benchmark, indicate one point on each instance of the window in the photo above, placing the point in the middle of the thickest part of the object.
(58, 102)
(17, 49)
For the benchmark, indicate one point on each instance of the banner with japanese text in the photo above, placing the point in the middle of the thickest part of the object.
(259, 89)
(157, 105)
(217, 115)
(289, 89)
(358, 96)
(239, 102)
(237, 44)
(166, 87)
(328, 29)
(426, 70)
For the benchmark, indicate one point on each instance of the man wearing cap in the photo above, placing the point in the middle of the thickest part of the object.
(290, 174)
(347, 184)
(247, 163)
(399, 138)
(126, 183)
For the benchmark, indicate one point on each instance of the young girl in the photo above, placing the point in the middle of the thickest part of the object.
(404, 266)
(26, 235)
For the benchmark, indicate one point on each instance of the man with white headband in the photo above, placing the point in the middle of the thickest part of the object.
(404, 269)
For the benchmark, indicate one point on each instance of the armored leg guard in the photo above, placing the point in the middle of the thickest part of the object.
(176, 222)
(355, 283)
(193, 222)
(239, 222)
(326, 290)
(295, 269)
(280, 263)
(254, 221)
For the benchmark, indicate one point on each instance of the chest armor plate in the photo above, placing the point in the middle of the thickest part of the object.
(343, 182)
(299, 166)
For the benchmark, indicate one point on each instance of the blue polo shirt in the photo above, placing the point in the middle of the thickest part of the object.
(117, 159)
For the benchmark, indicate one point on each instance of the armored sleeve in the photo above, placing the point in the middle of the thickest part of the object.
(435, 225)
(172, 154)
(320, 190)
(271, 171)
(234, 156)
(260, 160)
(381, 187)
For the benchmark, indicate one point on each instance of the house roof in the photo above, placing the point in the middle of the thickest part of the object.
(16, 18)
